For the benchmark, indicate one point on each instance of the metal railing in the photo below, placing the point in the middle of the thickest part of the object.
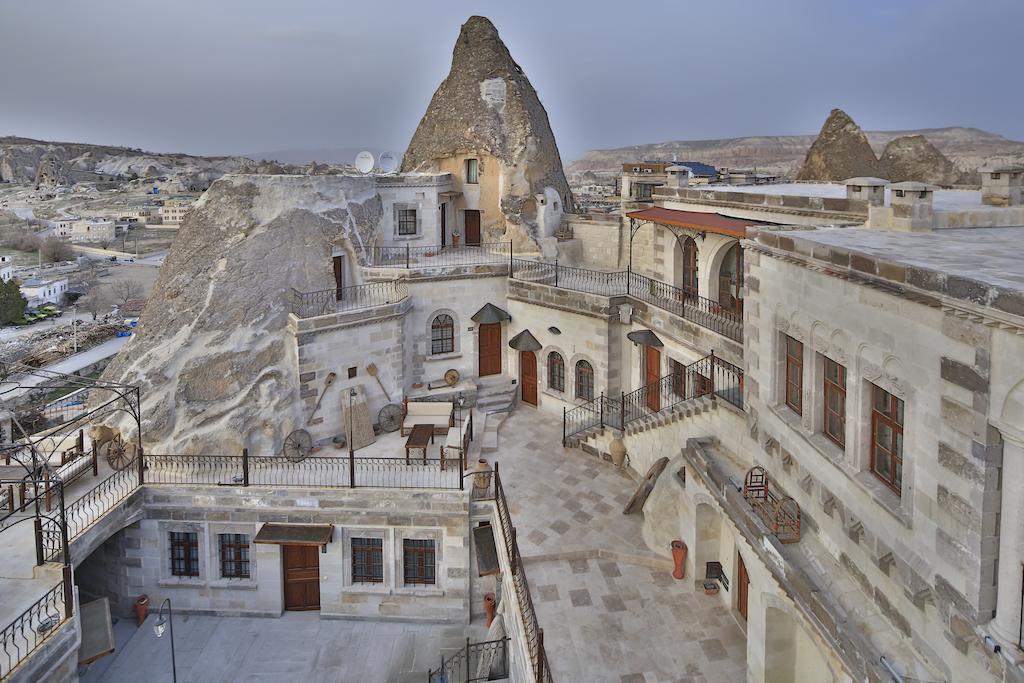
(710, 375)
(485, 661)
(344, 299)
(438, 256)
(708, 314)
(28, 631)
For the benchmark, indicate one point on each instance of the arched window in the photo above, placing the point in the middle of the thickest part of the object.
(442, 334)
(730, 279)
(690, 266)
(556, 371)
(584, 380)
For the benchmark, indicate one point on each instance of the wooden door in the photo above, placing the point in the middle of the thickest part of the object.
(690, 266)
(301, 577)
(472, 220)
(528, 376)
(339, 277)
(742, 587)
(444, 224)
(490, 349)
(652, 373)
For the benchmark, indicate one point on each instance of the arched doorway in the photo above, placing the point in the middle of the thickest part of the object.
(528, 376)
(730, 279)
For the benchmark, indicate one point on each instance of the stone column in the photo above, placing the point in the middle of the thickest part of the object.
(1006, 625)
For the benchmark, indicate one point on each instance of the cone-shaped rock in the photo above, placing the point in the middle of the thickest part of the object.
(487, 110)
(840, 151)
(912, 157)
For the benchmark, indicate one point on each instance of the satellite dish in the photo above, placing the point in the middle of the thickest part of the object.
(364, 162)
(388, 162)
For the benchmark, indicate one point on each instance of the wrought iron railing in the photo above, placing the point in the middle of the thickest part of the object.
(28, 631)
(486, 661)
(697, 309)
(344, 299)
(710, 375)
(438, 256)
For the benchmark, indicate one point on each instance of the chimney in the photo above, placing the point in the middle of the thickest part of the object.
(911, 204)
(678, 176)
(869, 190)
(1002, 185)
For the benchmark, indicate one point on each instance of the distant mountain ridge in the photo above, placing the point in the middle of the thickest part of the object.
(967, 148)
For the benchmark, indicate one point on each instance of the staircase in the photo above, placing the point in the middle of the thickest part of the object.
(690, 408)
(495, 394)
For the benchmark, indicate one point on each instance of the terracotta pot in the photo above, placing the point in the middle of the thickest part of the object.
(679, 557)
(482, 474)
(141, 608)
(617, 450)
(489, 602)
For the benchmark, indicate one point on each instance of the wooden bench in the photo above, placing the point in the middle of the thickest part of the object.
(458, 440)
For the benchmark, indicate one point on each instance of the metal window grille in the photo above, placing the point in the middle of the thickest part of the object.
(794, 375)
(835, 402)
(184, 553)
(556, 371)
(584, 381)
(887, 438)
(234, 556)
(442, 334)
(407, 221)
(419, 562)
(367, 560)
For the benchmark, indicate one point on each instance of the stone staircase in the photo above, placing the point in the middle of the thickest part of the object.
(680, 411)
(495, 394)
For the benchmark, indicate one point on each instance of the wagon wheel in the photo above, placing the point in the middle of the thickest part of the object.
(390, 417)
(116, 452)
(298, 445)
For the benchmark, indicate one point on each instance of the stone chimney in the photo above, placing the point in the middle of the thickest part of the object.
(866, 189)
(677, 176)
(911, 205)
(1002, 185)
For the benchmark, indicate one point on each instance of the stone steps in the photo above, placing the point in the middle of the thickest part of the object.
(495, 394)
(687, 409)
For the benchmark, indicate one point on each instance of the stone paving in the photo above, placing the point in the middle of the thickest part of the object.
(609, 607)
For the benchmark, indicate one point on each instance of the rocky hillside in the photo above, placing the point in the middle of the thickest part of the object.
(967, 148)
(840, 151)
(913, 157)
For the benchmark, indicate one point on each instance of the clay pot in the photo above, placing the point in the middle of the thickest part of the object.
(679, 557)
(617, 449)
(489, 603)
(482, 474)
(141, 608)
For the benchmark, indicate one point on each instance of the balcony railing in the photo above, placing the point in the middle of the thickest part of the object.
(21, 637)
(486, 661)
(344, 299)
(437, 256)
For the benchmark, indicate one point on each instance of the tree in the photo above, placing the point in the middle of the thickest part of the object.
(52, 250)
(96, 301)
(124, 291)
(12, 303)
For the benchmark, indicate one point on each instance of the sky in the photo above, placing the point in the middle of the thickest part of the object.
(255, 76)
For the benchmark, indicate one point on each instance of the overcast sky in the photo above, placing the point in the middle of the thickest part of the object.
(250, 76)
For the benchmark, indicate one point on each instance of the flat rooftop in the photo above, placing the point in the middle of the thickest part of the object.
(987, 255)
(948, 200)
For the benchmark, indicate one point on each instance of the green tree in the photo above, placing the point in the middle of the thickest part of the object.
(12, 303)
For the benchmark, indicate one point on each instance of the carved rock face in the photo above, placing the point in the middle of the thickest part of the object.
(212, 353)
(840, 151)
(487, 106)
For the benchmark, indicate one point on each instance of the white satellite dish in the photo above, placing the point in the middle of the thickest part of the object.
(388, 162)
(364, 162)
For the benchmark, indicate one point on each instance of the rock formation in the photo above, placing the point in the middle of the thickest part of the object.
(840, 151)
(487, 106)
(51, 172)
(912, 157)
(212, 352)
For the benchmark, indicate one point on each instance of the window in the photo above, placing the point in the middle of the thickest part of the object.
(184, 553)
(643, 191)
(556, 371)
(442, 334)
(407, 221)
(856, 188)
(794, 375)
(887, 438)
(678, 372)
(835, 402)
(995, 176)
(367, 560)
(472, 171)
(234, 556)
(419, 562)
(584, 381)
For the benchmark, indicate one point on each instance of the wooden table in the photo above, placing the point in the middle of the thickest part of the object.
(418, 439)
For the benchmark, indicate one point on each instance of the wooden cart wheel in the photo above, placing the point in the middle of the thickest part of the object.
(116, 452)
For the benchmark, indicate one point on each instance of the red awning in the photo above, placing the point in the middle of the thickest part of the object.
(696, 220)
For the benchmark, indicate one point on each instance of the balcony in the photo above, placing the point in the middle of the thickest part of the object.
(347, 299)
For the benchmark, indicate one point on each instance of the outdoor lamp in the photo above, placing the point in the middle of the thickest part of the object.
(159, 627)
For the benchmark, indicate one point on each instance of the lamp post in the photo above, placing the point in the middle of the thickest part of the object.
(351, 445)
(158, 629)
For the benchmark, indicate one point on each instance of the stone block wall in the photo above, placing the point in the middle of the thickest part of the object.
(602, 240)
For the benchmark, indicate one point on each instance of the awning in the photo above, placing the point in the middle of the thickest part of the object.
(644, 338)
(295, 534)
(524, 341)
(696, 220)
(449, 194)
(490, 314)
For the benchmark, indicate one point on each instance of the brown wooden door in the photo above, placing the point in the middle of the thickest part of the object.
(528, 376)
(472, 219)
(490, 349)
(742, 587)
(652, 373)
(339, 277)
(690, 266)
(301, 577)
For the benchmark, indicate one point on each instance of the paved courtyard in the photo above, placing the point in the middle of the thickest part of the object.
(609, 607)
